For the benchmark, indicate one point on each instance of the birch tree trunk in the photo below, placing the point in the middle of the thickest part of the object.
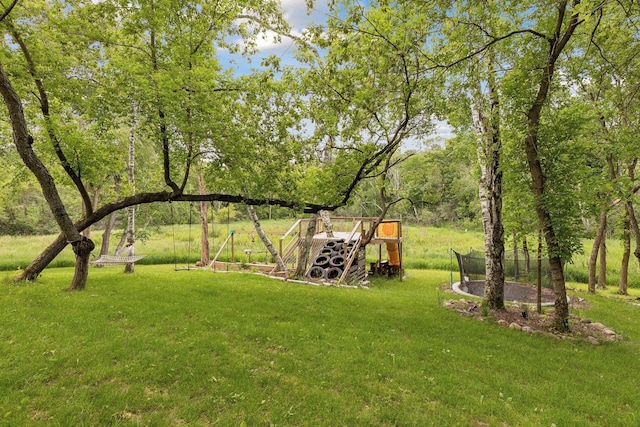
(131, 211)
(265, 240)
(490, 190)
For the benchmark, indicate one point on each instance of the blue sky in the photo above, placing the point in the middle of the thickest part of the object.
(299, 17)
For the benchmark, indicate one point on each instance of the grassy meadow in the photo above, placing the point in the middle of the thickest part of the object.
(168, 348)
(423, 248)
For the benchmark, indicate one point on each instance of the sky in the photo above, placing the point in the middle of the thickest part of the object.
(299, 17)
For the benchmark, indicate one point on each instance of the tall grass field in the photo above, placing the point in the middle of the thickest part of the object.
(423, 248)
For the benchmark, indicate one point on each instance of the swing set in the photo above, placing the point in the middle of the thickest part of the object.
(228, 247)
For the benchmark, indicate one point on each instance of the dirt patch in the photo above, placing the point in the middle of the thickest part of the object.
(513, 291)
(523, 317)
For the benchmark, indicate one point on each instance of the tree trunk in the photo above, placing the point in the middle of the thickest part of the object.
(21, 140)
(326, 221)
(305, 247)
(205, 255)
(516, 273)
(265, 240)
(634, 227)
(131, 177)
(109, 224)
(602, 274)
(527, 258)
(539, 275)
(593, 258)
(557, 44)
(131, 238)
(626, 255)
(83, 252)
(490, 191)
(39, 263)
(121, 242)
(106, 236)
(632, 215)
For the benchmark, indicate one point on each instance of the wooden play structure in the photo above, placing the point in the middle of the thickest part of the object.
(338, 257)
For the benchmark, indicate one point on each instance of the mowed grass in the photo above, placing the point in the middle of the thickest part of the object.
(166, 348)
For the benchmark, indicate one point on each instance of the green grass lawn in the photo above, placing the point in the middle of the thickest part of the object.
(167, 348)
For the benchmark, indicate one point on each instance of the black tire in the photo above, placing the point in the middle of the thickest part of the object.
(326, 251)
(321, 261)
(316, 272)
(330, 244)
(333, 273)
(336, 261)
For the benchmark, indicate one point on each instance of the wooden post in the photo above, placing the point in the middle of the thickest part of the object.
(233, 246)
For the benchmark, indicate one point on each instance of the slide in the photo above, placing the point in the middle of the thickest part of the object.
(394, 254)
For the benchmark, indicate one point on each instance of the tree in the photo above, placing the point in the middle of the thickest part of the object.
(73, 17)
(479, 85)
(162, 57)
(545, 32)
(82, 246)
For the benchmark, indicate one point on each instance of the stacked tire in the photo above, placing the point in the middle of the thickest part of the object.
(329, 263)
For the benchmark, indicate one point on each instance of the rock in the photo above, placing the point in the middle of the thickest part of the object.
(527, 329)
(592, 340)
(599, 325)
(502, 322)
(515, 326)
(463, 301)
(585, 320)
(609, 332)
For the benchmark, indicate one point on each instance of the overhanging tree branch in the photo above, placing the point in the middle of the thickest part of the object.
(44, 108)
(8, 10)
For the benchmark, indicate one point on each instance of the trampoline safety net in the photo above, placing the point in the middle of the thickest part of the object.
(518, 267)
